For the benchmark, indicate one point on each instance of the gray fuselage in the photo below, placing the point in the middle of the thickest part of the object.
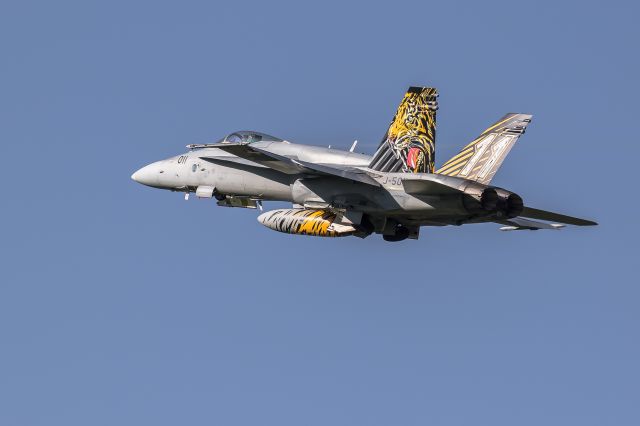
(231, 175)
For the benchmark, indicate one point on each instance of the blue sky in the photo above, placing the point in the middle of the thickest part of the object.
(120, 304)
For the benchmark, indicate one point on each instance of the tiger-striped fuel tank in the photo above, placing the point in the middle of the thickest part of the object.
(319, 223)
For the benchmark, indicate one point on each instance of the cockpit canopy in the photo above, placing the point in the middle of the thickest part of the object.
(245, 136)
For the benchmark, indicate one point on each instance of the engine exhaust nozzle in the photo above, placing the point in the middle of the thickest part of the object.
(514, 205)
(489, 199)
(510, 204)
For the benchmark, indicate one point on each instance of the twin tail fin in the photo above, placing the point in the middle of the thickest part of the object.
(409, 145)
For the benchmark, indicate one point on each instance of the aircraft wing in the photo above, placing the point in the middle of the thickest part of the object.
(233, 160)
(349, 173)
(292, 166)
(259, 156)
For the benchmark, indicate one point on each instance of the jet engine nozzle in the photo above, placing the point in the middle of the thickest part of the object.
(514, 205)
(489, 199)
(510, 204)
(479, 200)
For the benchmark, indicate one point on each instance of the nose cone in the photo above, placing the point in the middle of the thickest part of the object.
(263, 218)
(148, 175)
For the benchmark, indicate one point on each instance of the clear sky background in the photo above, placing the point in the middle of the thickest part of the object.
(124, 305)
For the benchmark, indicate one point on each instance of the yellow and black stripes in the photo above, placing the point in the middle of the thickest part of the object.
(302, 222)
(480, 160)
(410, 142)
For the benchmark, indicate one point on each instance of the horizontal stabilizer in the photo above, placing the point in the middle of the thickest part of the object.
(555, 217)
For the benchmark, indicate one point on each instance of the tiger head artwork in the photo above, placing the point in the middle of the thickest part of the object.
(411, 135)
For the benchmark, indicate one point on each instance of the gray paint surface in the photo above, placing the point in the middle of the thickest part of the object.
(393, 204)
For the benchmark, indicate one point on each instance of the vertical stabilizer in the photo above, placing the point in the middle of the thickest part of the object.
(481, 159)
(409, 144)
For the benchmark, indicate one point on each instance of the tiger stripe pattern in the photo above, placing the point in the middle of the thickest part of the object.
(302, 222)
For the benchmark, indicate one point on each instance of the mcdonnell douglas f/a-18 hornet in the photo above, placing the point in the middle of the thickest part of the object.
(336, 193)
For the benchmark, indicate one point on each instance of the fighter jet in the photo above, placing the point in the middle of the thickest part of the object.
(337, 193)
